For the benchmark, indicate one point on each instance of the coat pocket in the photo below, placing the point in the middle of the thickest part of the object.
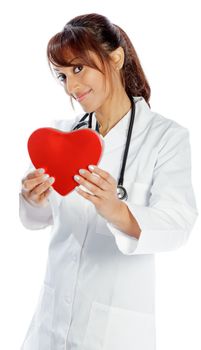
(129, 330)
(40, 330)
(116, 328)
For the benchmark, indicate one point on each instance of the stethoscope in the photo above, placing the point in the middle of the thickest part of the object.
(121, 191)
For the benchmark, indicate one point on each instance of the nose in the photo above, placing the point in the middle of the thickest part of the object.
(72, 85)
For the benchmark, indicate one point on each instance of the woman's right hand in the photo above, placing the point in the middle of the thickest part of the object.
(36, 188)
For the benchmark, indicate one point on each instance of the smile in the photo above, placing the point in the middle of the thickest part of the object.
(80, 98)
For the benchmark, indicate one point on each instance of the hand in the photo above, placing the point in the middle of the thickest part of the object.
(36, 188)
(104, 189)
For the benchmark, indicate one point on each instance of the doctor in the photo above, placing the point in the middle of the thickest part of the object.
(99, 285)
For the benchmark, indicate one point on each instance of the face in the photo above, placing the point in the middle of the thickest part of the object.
(86, 85)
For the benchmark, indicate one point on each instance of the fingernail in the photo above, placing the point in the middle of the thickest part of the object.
(76, 177)
(46, 176)
(91, 167)
(41, 170)
(51, 179)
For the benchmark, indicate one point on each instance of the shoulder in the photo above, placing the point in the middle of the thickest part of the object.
(159, 127)
(156, 119)
(172, 134)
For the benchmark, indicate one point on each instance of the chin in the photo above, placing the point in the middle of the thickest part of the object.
(87, 109)
(90, 107)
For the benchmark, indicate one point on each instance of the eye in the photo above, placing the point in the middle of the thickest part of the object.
(80, 67)
(76, 69)
(61, 77)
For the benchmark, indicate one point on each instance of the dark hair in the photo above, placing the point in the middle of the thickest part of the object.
(94, 32)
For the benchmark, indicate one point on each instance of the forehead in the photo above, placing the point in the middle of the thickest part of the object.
(69, 62)
(73, 59)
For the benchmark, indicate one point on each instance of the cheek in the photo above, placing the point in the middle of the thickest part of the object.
(97, 81)
(101, 87)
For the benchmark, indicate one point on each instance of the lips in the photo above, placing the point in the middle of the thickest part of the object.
(82, 96)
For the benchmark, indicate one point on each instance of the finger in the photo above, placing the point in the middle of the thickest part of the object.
(94, 179)
(40, 189)
(92, 198)
(94, 189)
(102, 173)
(44, 196)
(40, 200)
(35, 173)
(29, 184)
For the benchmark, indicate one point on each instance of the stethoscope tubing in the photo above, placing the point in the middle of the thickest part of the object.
(121, 191)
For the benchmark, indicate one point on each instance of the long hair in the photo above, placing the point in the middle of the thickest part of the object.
(94, 32)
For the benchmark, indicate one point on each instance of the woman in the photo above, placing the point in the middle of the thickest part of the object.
(99, 286)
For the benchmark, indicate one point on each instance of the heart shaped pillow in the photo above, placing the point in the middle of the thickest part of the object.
(62, 154)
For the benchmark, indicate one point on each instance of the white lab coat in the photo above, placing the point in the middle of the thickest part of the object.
(99, 287)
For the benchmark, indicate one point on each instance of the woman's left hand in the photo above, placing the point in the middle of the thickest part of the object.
(104, 189)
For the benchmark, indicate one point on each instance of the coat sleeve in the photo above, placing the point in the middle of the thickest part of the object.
(36, 218)
(169, 217)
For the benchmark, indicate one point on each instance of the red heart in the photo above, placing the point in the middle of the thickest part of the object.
(62, 154)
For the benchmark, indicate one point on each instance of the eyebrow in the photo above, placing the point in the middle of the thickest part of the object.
(69, 63)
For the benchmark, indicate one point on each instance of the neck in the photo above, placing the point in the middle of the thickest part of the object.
(112, 111)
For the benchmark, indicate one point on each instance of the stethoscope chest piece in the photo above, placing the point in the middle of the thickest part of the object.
(121, 192)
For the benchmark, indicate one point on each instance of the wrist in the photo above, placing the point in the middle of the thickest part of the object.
(125, 221)
(119, 213)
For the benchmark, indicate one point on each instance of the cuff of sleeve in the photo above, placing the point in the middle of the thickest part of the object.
(159, 233)
(126, 244)
(34, 217)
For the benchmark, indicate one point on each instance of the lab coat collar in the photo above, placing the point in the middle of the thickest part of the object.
(117, 136)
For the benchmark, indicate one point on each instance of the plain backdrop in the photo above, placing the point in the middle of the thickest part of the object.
(166, 37)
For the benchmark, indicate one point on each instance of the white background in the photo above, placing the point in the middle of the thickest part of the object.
(166, 37)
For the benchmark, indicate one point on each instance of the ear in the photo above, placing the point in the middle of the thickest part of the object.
(117, 57)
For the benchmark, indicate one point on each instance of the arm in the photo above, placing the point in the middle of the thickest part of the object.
(125, 221)
(169, 217)
(36, 217)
